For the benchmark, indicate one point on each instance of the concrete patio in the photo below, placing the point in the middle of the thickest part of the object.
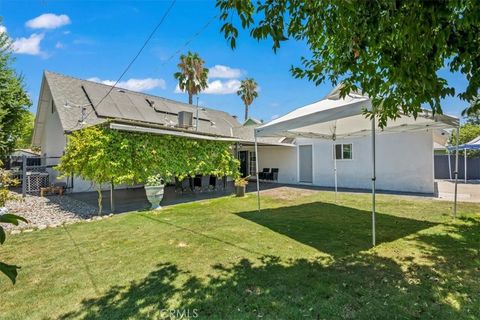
(467, 192)
(133, 199)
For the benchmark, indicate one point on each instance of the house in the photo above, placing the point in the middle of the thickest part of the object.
(67, 104)
(252, 122)
(24, 152)
(404, 160)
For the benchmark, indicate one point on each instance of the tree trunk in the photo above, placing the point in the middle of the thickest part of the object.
(99, 190)
(246, 112)
(190, 98)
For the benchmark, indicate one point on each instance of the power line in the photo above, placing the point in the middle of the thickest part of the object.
(138, 53)
(190, 40)
(185, 44)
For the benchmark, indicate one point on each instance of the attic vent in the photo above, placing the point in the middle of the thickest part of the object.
(185, 119)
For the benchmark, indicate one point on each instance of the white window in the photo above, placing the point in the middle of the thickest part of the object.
(343, 151)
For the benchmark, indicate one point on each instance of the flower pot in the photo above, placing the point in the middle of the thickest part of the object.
(240, 191)
(155, 195)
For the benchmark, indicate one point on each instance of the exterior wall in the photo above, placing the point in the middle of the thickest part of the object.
(404, 162)
(283, 158)
(53, 142)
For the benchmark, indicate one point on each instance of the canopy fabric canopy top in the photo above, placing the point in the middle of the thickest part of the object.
(335, 117)
(471, 145)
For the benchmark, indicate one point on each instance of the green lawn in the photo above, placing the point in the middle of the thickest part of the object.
(220, 259)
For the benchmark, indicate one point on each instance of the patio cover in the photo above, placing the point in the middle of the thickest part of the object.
(334, 117)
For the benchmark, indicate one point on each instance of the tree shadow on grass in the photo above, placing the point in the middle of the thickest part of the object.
(141, 299)
(361, 286)
(334, 229)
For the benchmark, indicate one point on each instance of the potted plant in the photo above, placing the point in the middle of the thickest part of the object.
(240, 186)
(154, 189)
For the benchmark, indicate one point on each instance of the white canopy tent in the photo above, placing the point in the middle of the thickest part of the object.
(334, 118)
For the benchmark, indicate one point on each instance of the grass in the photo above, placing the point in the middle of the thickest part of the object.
(220, 259)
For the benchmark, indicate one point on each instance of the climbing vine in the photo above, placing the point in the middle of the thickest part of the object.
(103, 155)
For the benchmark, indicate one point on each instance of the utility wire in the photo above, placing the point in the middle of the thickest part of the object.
(190, 40)
(138, 53)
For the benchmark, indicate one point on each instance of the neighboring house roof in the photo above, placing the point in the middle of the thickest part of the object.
(27, 152)
(251, 121)
(70, 95)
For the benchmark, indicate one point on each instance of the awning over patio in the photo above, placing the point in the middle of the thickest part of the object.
(335, 117)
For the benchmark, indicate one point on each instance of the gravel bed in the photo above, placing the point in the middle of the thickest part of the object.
(50, 211)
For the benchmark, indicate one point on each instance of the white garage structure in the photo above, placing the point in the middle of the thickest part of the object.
(336, 146)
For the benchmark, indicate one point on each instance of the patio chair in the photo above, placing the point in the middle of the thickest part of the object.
(197, 182)
(273, 176)
(263, 175)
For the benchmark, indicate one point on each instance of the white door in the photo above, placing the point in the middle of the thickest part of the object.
(305, 163)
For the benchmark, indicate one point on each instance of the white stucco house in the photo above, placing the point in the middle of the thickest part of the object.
(404, 159)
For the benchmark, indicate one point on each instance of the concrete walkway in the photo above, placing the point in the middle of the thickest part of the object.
(467, 192)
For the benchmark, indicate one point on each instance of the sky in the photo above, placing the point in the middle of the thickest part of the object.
(97, 39)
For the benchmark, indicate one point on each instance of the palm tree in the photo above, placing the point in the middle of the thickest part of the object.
(192, 76)
(248, 92)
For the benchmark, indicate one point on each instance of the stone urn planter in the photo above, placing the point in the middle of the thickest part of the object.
(240, 191)
(154, 189)
(240, 186)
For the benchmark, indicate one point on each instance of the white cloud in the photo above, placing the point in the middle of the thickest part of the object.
(134, 84)
(48, 21)
(225, 72)
(223, 87)
(59, 45)
(275, 116)
(30, 45)
(218, 87)
(3, 29)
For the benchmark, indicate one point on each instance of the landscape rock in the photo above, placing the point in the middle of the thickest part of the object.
(51, 211)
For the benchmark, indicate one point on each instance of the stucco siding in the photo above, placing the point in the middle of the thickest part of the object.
(283, 158)
(404, 162)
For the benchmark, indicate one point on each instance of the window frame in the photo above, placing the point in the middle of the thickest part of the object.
(334, 152)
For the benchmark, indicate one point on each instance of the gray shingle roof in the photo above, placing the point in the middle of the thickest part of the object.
(123, 104)
(70, 94)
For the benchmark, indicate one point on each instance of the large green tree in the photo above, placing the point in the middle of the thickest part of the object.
(193, 75)
(248, 91)
(14, 101)
(390, 49)
(24, 139)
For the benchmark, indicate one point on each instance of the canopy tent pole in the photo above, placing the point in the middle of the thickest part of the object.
(112, 204)
(449, 164)
(256, 170)
(335, 169)
(465, 163)
(335, 159)
(373, 180)
(456, 175)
